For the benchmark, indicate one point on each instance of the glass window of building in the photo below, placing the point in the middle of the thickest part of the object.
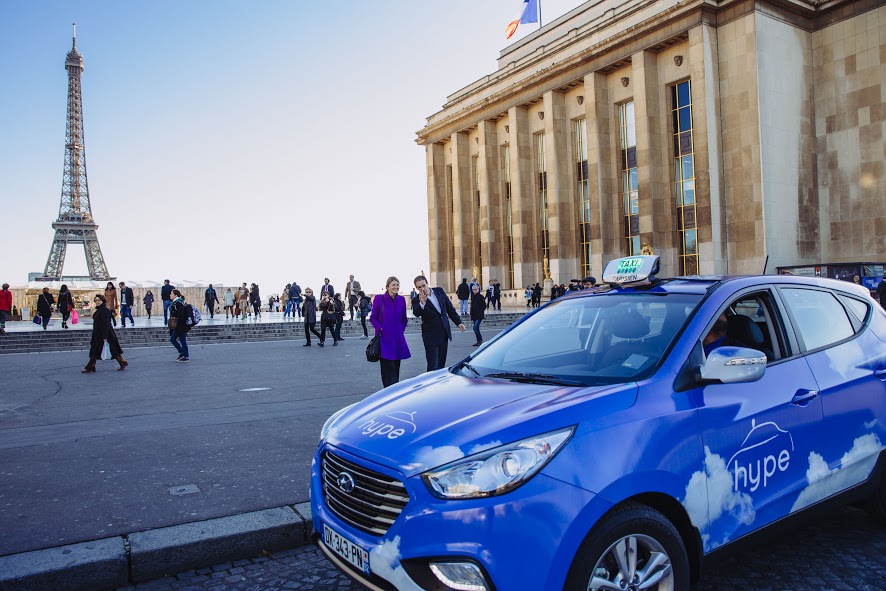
(475, 166)
(584, 196)
(684, 178)
(506, 175)
(630, 191)
(541, 186)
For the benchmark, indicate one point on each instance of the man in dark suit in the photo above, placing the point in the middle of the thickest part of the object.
(327, 288)
(435, 310)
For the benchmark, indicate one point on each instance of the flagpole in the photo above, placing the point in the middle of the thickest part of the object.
(538, 4)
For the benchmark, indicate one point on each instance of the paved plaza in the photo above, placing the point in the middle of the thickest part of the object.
(89, 456)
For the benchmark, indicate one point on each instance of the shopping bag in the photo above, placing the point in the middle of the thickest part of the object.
(106, 351)
(36, 320)
(75, 318)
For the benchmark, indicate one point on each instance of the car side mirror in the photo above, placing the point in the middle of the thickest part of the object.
(731, 365)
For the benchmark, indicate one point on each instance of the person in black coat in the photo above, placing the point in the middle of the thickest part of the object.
(478, 306)
(255, 300)
(103, 331)
(327, 319)
(309, 313)
(65, 304)
(435, 310)
(178, 336)
(45, 302)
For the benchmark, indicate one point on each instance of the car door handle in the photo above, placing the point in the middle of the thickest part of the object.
(804, 397)
(880, 374)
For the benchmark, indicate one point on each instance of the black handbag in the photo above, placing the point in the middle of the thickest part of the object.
(373, 349)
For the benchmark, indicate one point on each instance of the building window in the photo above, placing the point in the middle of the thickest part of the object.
(684, 178)
(584, 196)
(450, 195)
(475, 165)
(506, 166)
(630, 193)
(541, 186)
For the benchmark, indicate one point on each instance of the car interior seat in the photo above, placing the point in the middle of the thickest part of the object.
(742, 331)
(627, 324)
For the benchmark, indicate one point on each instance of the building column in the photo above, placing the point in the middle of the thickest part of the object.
(464, 210)
(656, 207)
(605, 202)
(559, 163)
(710, 212)
(527, 265)
(493, 243)
(438, 216)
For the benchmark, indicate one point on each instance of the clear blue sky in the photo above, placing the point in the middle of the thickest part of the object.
(237, 141)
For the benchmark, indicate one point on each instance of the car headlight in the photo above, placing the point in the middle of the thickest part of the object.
(325, 430)
(496, 471)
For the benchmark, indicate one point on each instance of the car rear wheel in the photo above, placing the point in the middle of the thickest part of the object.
(633, 547)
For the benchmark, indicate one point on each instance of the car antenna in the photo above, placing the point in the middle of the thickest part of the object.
(765, 264)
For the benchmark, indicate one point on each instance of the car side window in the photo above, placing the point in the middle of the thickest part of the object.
(858, 309)
(818, 317)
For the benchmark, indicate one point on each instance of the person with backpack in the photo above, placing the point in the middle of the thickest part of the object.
(365, 308)
(210, 298)
(295, 296)
(178, 325)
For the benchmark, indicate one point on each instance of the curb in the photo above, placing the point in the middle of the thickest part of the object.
(143, 556)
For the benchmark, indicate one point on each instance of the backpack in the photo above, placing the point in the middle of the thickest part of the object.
(192, 315)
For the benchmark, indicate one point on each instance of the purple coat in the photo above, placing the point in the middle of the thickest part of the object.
(389, 319)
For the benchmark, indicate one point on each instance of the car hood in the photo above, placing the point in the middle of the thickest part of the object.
(439, 417)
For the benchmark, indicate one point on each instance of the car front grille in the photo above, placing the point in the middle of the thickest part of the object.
(375, 501)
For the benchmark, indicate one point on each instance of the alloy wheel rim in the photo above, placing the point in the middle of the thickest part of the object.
(633, 563)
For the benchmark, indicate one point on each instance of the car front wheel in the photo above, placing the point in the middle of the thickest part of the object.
(632, 548)
(876, 504)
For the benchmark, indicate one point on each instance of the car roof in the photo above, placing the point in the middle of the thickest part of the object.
(701, 284)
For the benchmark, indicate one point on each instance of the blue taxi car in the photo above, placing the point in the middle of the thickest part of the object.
(614, 439)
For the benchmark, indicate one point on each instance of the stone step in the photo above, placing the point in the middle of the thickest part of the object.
(74, 340)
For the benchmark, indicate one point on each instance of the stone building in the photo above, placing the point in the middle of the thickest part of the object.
(716, 133)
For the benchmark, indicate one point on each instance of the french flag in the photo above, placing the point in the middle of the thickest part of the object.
(529, 14)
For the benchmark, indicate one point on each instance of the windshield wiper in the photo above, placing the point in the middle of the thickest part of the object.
(470, 367)
(535, 378)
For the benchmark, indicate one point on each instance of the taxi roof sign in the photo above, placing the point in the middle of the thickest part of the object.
(636, 269)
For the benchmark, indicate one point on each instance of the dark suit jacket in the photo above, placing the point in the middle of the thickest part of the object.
(433, 324)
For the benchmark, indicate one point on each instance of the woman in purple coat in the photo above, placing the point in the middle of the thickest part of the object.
(389, 319)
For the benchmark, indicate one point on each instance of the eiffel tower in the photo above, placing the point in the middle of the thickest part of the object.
(75, 224)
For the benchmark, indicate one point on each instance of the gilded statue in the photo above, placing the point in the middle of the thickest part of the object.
(547, 268)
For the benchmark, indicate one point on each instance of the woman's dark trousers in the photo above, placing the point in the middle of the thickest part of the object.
(390, 371)
(309, 328)
(330, 324)
(363, 322)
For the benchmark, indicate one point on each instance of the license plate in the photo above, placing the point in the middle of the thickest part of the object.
(346, 549)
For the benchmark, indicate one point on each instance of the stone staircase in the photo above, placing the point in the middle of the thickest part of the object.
(245, 331)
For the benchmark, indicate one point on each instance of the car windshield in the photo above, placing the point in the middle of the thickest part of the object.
(602, 339)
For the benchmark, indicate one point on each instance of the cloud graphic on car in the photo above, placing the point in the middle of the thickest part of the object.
(856, 466)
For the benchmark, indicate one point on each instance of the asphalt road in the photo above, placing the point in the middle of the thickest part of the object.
(88, 456)
(844, 553)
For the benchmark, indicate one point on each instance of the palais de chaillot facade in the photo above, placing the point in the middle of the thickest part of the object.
(717, 135)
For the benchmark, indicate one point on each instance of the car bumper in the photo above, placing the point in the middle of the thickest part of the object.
(524, 539)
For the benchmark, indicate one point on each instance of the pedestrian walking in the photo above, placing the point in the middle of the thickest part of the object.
(5, 306)
(228, 299)
(148, 301)
(365, 307)
(255, 299)
(490, 295)
(271, 303)
(243, 300)
(435, 310)
(65, 304)
(351, 291)
(309, 313)
(536, 295)
(327, 319)
(463, 293)
(178, 326)
(287, 302)
(210, 299)
(339, 316)
(496, 293)
(295, 296)
(103, 332)
(127, 300)
(327, 288)
(111, 301)
(528, 295)
(478, 307)
(45, 302)
(389, 320)
(166, 297)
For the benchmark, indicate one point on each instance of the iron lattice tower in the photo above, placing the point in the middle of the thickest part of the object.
(75, 224)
